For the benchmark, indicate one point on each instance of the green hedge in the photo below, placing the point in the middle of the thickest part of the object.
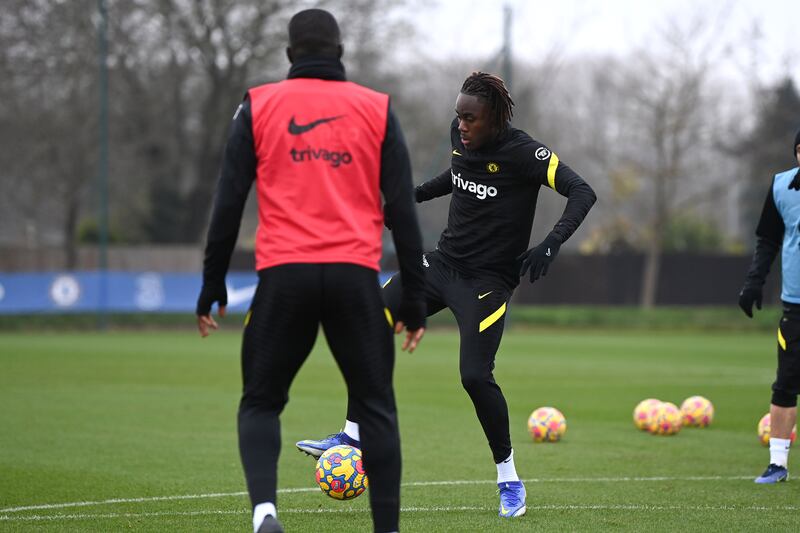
(665, 318)
(671, 318)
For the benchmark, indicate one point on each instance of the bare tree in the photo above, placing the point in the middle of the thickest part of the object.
(670, 108)
(226, 39)
(49, 69)
(178, 68)
(763, 150)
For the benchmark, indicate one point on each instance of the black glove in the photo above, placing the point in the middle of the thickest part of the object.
(209, 294)
(418, 194)
(539, 257)
(412, 314)
(795, 184)
(747, 297)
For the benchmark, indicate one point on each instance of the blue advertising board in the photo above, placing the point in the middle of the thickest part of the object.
(118, 292)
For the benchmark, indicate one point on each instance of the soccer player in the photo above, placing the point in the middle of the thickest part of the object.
(494, 179)
(320, 150)
(778, 226)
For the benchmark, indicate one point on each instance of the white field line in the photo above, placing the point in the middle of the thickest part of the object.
(411, 484)
(438, 509)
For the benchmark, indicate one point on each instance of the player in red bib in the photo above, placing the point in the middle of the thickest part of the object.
(321, 151)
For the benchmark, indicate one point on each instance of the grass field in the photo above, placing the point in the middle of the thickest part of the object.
(136, 431)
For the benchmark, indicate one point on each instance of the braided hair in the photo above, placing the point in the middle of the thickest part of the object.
(493, 90)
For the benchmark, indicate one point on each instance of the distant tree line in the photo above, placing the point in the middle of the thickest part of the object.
(679, 149)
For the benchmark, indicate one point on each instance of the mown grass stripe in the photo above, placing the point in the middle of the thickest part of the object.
(410, 484)
(415, 509)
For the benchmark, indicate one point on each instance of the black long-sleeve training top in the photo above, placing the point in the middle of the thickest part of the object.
(494, 198)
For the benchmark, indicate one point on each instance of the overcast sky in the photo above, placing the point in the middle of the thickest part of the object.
(578, 27)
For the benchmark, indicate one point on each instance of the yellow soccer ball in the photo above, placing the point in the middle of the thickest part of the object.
(340, 473)
(697, 411)
(644, 412)
(547, 424)
(764, 430)
(667, 420)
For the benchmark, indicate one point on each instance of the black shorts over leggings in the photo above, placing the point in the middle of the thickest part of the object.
(787, 383)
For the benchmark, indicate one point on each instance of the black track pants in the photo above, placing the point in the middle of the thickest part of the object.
(479, 308)
(290, 303)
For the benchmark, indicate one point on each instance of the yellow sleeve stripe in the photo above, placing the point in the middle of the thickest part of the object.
(388, 316)
(247, 317)
(491, 319)
(781, 340)
(388, 281)
(551, 171)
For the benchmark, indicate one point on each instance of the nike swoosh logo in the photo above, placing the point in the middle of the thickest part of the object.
(503, 509)
(297, 129)
(455, 152)
(547, 253)
(482, 296)
(240, 296)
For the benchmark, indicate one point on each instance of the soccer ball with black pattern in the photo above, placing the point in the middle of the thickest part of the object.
(340, 473)
(547, 424)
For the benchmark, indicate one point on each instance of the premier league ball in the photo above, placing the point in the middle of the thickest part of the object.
(645, 412)
(764, 430)
(547, 424)
(667, 419)
(340, 473)
(697, 411)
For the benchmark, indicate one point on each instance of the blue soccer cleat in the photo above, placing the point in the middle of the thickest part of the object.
(512, 499)
(315, 448)
(773, 474)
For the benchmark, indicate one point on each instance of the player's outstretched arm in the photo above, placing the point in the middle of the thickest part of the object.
(580, 199)
(441, 185)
